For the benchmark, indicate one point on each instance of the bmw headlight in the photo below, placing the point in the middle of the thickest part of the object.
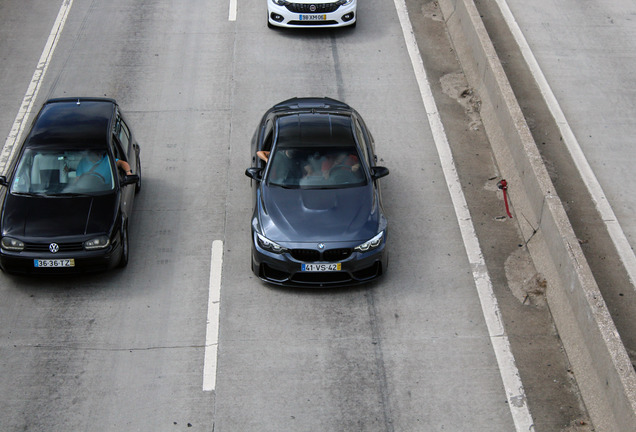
(280, 2)
(269, 245)
(97, 243)
(371, 244)
(12, 244)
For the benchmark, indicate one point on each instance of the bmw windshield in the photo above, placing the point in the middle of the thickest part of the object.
(316, 168)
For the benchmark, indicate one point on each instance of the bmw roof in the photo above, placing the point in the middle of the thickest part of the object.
(312, 103)
(314, 129)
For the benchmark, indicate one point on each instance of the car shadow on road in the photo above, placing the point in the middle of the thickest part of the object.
(330, 291)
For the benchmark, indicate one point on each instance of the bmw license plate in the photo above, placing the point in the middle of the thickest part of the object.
(321, 267)
(313, 17)
(49, 263)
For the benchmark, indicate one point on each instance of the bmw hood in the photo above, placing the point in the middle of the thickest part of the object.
(37, 217)
(319, 215)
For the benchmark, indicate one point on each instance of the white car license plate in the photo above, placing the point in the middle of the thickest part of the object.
(321, 267)
(54, 263)
(313, 17)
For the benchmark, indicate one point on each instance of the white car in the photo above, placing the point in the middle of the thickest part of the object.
(311, 13)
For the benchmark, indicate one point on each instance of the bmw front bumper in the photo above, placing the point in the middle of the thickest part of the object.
(290, 269)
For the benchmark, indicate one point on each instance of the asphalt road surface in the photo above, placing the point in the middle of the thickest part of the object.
(125, 350)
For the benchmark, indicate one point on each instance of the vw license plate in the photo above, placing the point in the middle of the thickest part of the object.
(54, 263)
(313, 17)
(321, 267)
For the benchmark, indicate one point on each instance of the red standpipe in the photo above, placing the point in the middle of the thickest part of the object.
(503, 185)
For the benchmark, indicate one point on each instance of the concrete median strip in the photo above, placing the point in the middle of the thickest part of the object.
(599, 360)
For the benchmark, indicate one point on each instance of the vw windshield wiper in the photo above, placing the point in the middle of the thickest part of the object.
(68, 194)
(38, 194)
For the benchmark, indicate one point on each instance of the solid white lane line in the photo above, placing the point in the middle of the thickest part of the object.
(507, 367)
(603, 206)
(212, 328)
(22, 118)
(233, 7)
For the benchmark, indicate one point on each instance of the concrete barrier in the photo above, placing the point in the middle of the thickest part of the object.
(602, 368)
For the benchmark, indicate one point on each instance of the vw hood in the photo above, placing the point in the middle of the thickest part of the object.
(41, 217)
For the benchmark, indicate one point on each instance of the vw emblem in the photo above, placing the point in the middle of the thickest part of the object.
(54, 247)
(312, 8)
(321, 246)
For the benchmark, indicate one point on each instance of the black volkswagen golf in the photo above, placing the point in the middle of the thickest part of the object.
(318, 219)
(68, 195)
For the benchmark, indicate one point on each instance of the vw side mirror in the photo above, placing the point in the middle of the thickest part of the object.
(130, 179)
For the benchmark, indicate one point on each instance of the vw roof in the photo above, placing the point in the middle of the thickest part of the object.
(73, 122)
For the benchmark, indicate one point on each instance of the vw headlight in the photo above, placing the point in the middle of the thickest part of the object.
(371, 244)
(12, 244)
(269, 245)
(97, 243)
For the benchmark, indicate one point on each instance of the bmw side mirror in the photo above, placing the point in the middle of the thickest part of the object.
(254, 173)
(378, 172)
(130, 179)
(3, 181)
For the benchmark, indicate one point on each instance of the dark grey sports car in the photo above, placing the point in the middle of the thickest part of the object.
(318, 219)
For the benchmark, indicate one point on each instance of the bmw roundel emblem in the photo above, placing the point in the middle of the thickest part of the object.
(312, 8)
(321, 246)
(54, 247)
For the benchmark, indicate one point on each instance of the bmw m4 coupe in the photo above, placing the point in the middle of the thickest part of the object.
(311, 13)
(68, 196)
(318, 219)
